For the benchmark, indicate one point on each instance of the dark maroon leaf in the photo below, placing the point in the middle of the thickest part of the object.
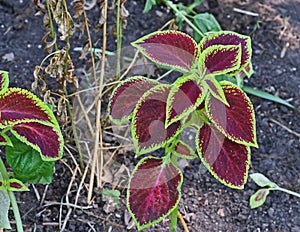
(2, 139)
(220, 59)
(170, 48)
(237, 122)
(154, 191)
(185, 95)
(215, 89)
(184, 150)
(148, 121)
(230, 38)
(43, 137)
(226, 160)
(18, 104)
(126, 96)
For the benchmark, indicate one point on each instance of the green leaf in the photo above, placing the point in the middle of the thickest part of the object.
(259, 198)
(4, 81)
(27, 163)
(4, 206)
(149, 4)
(262, 181)
(114, 194)
(267, 96)
(206, 22)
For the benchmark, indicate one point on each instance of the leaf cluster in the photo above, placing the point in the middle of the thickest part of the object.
(219, 111)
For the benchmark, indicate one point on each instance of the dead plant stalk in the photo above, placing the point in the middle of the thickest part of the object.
(98, 133)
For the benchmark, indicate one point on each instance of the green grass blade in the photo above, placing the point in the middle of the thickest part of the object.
(267, 96)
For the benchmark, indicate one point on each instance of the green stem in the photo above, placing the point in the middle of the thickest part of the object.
(287, 191)
(51, 24)
(174, 8)
(12, 198)
(119, 40)
(174, 214)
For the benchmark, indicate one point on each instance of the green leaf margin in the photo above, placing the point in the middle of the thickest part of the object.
(133, 124)
(177, 67)
(166, 160)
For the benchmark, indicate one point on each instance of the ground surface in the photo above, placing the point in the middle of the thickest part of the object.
(206, 205)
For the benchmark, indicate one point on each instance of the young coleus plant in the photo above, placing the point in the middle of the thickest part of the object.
(221, 113)
(33, 140)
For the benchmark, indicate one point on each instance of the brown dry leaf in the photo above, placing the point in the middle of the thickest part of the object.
(64, 20)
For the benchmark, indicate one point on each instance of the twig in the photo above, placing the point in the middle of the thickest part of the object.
(186, 229)
(50, 203)
(285, 127)
(98, 133)
(245, 12)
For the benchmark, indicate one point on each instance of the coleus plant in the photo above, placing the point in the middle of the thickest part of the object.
(33, 140)
(220, 111)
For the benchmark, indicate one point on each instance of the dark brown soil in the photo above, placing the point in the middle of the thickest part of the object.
(206, 204)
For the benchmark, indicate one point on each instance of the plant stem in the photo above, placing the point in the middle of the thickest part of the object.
(12, 198)
(174, 217)
(174, 214)
(119, 40)
(51, 24)
(287, 191)
(174, 8)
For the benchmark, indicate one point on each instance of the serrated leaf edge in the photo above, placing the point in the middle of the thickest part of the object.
(127, 118)
(179, 68)
(215, 175)
(141, 227)
(207, 51)
(46, 123)
(177, 84)
(239, 141)
(133, 124)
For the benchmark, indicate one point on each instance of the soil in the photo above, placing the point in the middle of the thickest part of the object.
(206, 205)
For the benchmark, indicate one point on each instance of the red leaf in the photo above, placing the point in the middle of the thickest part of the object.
(185, 95)
(154, 191)
(43, 137)
(226, 160)
(19, 104)
(126, 96)
(170, 48)
(2, 139)
(148, 121)
(215, 89)
(230, 38)
(221, 59)
(236, 122)
(184, 150)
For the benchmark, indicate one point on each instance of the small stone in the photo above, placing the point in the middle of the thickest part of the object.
(221, 212)
(271, 212)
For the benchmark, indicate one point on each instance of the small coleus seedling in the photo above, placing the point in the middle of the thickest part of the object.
(221, 113)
